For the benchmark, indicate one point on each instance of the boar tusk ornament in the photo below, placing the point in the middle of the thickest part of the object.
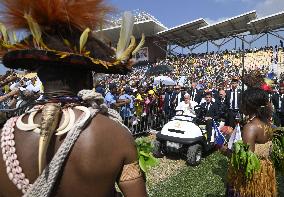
(70, 123)
(26, 127)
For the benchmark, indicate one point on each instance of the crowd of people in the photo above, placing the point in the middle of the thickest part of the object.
(139, 98)
(72, 140)
(145, 104)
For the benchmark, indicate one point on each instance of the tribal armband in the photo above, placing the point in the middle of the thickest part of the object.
(130, 172)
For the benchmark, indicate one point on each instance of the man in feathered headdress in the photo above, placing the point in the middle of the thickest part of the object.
(71, 144)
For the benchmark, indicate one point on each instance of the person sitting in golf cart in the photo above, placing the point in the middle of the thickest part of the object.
(211, 113)
(186, 107)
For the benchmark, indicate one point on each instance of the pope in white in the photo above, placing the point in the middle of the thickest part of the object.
(187, 106)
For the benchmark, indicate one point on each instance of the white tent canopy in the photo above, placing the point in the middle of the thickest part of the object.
(164, 80)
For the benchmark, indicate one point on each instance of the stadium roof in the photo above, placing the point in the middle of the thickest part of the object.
(149, 28)
(144, 23)
(228, 27)
(184, 34)
(268, 23)
(198, 31)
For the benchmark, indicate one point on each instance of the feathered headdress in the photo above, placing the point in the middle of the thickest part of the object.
(61, 35)
(255, 79)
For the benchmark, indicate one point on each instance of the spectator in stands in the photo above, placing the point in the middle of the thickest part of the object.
(233, 100)
(111, 98)
(221, 103)
(195, 94)
(168, 102)
(278, 103)
(177, 96)
(127, 108)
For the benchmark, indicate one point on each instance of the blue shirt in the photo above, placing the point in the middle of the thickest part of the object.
(126, 110)
(110, 99)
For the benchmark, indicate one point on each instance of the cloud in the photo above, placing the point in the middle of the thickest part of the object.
(267, 7)
(212, 21)
(262, 7)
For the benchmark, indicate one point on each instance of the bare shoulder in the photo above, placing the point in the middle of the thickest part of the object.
(110, 128)
(250, 131)
(115, 135)
(251, 127)
(253, 132)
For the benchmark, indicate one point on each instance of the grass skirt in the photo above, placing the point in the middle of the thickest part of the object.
(262, 184)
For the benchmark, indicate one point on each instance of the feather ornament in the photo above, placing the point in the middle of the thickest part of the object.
(67, 43)
(141, 43)
(53, 13)
(269, 81)
(125, 33)
(34, 28)
(4, 33)
(126, 54)
(84, 38)
(15, 38)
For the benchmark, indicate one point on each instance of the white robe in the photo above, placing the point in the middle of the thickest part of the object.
(189, 111)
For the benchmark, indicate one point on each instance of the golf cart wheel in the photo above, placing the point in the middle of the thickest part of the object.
(157, 151)
(194, 155)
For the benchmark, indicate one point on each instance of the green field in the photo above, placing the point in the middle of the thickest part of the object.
(207, 179)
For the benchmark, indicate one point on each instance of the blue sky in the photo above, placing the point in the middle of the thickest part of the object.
(172, 13)
(176, 12)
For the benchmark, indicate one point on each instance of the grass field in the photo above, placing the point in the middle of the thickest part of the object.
(205, 180)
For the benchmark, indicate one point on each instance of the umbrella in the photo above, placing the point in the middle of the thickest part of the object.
(160, 69)
(164, 80)
(181, 81)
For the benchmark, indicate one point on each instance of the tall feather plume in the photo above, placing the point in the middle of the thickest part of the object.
(84, 38)
(34, 28)
(141, 43)
(126, 53)
(47, 13)
(125, 33)
(15, 38)
(4, 33)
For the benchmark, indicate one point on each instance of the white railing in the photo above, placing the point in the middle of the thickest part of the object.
(139, 16)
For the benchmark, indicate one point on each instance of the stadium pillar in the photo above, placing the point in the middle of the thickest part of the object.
(235, 43)
(169, 50)
(267, 37)
(207, 44)
(243, 68)
(276, 35)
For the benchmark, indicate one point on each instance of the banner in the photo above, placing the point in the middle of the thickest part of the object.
(142, 55)
(236, 136)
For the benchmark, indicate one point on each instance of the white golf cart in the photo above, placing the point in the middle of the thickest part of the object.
(183, 135)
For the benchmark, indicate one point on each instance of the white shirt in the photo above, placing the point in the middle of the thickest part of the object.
(236, 100)
(280, 101)
(14, 86)
(33, 88)
(204, 101)
(186, 109)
